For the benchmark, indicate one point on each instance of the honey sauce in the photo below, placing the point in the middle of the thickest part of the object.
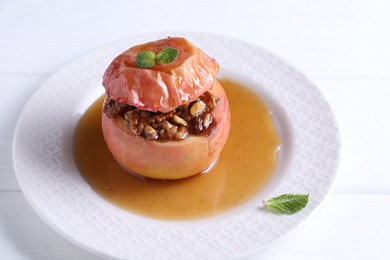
(247, 163)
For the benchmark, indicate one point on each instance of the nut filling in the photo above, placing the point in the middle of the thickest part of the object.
(193, 118)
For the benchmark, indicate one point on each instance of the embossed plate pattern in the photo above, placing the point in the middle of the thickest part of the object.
(51, 183)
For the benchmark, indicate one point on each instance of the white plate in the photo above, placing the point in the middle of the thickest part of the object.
(51, 183)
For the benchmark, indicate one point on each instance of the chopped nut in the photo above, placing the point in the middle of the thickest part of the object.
(170, 130)
(141, 125)
(161, 133)
(181, 133)
(150, 133)
(197, 108)
(198, 124)
(129, 115)
(209, 100)
(159, 117)
(166, 125)
(178, 120)
(133, 119)
(207, 120)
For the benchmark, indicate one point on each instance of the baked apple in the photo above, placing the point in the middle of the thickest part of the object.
(165, 116)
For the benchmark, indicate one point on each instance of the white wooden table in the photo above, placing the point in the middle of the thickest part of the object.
(343, 46)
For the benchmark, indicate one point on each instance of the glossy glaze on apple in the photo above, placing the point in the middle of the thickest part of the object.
(246, 164)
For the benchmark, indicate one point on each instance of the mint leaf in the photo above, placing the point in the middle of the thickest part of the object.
(288, 203)
(145, 59)
(167, 55)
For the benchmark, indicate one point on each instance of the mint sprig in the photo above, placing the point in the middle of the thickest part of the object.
(147, 59)
(288, 203)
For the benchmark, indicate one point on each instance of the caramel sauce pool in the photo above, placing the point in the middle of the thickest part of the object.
(246, 164)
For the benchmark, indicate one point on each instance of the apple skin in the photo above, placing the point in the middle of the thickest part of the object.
(169, 159)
